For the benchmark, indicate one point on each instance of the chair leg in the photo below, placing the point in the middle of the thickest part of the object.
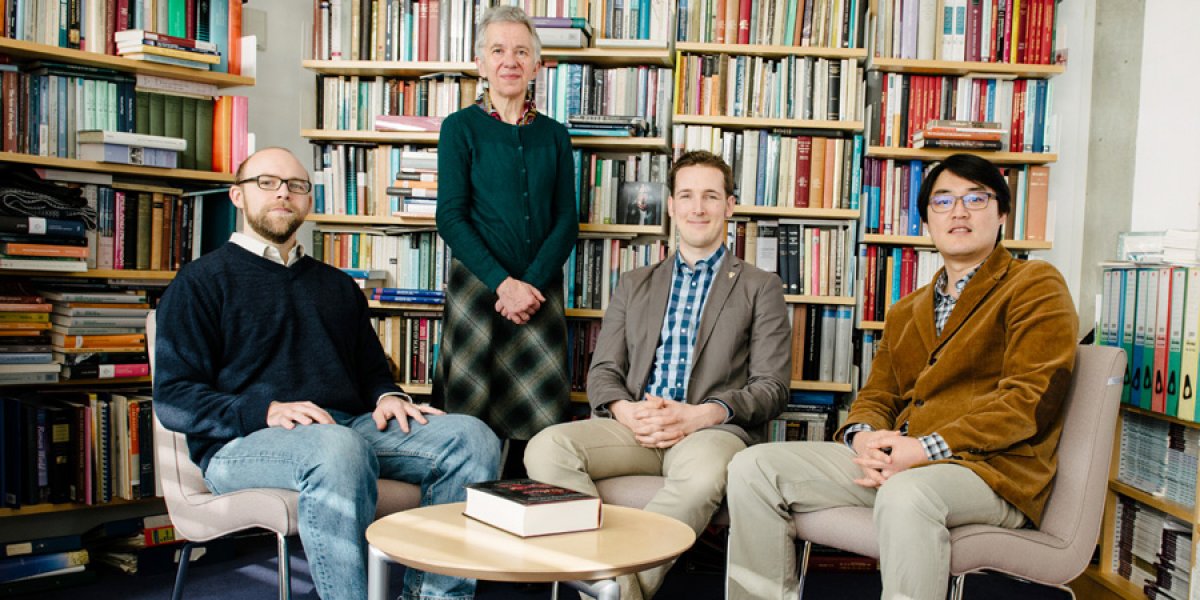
(957, 583)
(285, 568)
(803, 567)
(185, 554)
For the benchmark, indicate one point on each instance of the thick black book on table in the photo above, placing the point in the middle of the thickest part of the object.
(530, 508)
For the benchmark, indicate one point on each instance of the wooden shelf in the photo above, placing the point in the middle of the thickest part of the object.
(925, 242)
(133, 381)
(388, 68)
(372, 221)
(584, 313)
(771, 51)
(413, 306)
(1158, 415)
(579, 397)
(954, 67)
(417, 389)
(42, 509)
(631, 230)
(371, 137)
(31, 51)
(1114, 583)
(595, 142)
(757, 123)
(1002, 158)
(98, 274)
(871, 325)
(1179, 511)
(611, 57)
(834, 300)
(72, 164)
(820, 386)
(788, 212)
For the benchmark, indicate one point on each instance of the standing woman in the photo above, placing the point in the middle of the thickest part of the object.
(506, 208)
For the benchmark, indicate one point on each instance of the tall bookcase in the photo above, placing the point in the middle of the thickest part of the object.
(20, 52)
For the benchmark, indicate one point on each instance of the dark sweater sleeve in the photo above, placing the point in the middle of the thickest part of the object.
(547, 265)
(188, 342)
(454, 205)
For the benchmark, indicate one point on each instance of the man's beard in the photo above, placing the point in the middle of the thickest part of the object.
(274, 233)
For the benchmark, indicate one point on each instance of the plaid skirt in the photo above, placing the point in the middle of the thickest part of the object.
(512, 377)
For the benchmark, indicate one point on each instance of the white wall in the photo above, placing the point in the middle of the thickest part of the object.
(1166, 189)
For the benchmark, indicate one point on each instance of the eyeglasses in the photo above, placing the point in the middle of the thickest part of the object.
(943, 203)
(271, 183)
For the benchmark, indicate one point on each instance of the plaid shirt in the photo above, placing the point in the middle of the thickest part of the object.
(528, 114)
(943, 304)
(677, 339)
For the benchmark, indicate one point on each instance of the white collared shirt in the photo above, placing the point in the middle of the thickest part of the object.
(266, 250)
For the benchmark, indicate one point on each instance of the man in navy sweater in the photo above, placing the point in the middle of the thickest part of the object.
(267, 361)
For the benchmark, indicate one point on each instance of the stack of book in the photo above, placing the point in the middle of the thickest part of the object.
(960, 135)
(607, 125)
(407, 123)
(25, 339)
(43, 564)
(100, 335)
(408, 296)
(129, 148)
(414, 189)
(563, 32)
(40, 244)
(166, 49)
(809, 416)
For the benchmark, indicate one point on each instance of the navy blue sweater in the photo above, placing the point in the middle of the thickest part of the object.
(237, 331)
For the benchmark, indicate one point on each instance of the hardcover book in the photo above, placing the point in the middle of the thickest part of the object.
(529, 508)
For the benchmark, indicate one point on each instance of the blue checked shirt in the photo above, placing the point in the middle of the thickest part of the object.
(943, 304)
(677, 339)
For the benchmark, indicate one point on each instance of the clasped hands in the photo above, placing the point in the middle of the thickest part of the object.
(290, 414)
(884, 453)
(518, 301)
(660, 423)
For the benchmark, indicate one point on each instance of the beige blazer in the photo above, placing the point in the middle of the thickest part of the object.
(743, 351)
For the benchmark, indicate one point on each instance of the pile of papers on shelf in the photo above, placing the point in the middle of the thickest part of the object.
(607, 125)
(165, 49)
(563, 32)
(1176, 246)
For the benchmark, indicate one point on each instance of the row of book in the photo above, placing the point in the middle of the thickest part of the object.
(594, 266)
(399, 30)
(1153, 313)
(822, 343)
(145, 227)
(891, 273)
(1151, 549)
(899, 105)
(1007, 31)
(808, 417)
(621, 189)
(1159, 457)
(86, 447)
(819, 23)
(792, 87)
(357, 179)
(564, 90)
(94, 26)
(416, 260)
(354, 103)
(411, 343)
(783, 167)
(813, 258)
(582, 336)
(891, 189)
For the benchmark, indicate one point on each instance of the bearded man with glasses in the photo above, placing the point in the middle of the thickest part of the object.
(959, 419)
(267, 361)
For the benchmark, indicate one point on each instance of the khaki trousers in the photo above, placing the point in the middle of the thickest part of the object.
(912, 512)
(574, 455)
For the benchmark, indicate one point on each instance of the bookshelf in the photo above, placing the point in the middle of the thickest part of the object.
(173, 184)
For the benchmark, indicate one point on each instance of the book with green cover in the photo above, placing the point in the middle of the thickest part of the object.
(204, 134)
(143, 226)
(187, 158)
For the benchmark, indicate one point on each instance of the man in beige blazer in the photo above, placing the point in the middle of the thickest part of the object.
(958, 422)
(693, 358)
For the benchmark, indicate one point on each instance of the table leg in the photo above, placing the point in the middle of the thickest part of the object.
(377, 574)
(604, 589)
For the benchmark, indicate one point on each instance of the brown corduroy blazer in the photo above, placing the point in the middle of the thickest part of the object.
(992, 384)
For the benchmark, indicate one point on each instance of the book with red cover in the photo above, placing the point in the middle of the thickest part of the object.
(528, 508)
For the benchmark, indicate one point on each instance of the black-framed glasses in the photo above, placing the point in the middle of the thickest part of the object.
(944, 203)
(271, 183)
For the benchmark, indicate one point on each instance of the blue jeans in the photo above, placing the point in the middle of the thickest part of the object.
(335, 468)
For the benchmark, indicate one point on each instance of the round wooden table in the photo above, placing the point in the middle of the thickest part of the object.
(441, 540)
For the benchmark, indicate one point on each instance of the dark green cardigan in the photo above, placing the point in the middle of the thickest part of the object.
(506, 197)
